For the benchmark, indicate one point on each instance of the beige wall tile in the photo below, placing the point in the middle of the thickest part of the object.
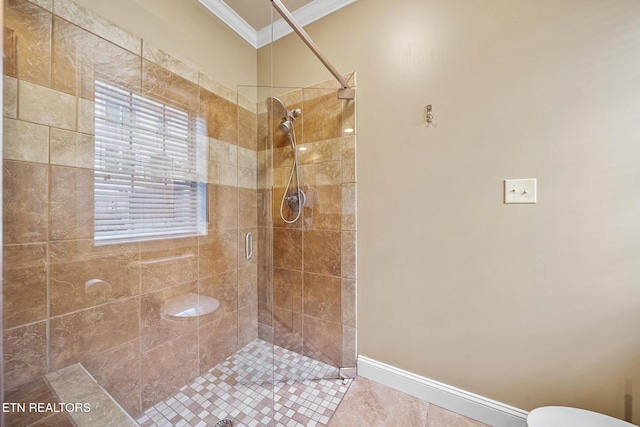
(156, 327)
(72, 149)
(25, 141)
(25, 202)
(218, 252)
(122, 382)
(221, 117)
(86, 116)
(349, 254)
(287, 248)
(349, 207)
(348, 159)
(163, 59)
(45, 4)
(80, 58)
(85, 275)
(247, 178)
(349, 302)
(224, 288)
(160, 84)
(24, 284)
(35, 105)
(323, 340)
(218, 88)
(10, 97)
(322, 115)
(248, 129)
(25, 354)
(323, 208)
(223, 206)
(72, 204)
(247, 324)
(28, 45)
(85, 336)
(218, 340)
(168, 367)
(287, 289)
(167, 263)
(323, 252)
(88, 20)
(323, 297)
(329, 173)
(349, 352)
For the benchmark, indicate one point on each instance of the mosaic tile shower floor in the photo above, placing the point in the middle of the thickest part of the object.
(260, 385)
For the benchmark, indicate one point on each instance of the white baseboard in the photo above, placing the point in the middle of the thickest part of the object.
(470, 405)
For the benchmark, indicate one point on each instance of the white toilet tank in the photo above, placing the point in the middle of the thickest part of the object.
(562, 416)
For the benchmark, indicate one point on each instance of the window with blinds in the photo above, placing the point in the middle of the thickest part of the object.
(147, 166)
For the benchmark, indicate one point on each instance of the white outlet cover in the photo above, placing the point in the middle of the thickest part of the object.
(520, 190)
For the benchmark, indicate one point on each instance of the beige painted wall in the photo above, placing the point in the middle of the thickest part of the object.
(529, 305)
(186, 30)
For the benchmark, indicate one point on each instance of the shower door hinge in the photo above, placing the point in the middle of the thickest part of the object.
(347, 93)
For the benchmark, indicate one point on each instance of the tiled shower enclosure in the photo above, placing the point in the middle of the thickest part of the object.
(69, 298)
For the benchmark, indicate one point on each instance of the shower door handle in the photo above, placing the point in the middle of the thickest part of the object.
(248, 246)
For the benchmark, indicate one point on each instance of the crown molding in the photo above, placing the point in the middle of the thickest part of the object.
(305, 15)
(231, 19)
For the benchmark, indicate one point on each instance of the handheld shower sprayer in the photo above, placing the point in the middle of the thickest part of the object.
(294, 197)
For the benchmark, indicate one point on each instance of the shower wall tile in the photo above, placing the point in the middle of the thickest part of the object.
(122, 382)
(320, 152)
(349, 302)
(322, 118)
(323, 208)
(323, 252)
(28, 30)
(217, 252)
(45, 4)
(323, 340)
(158, 83)
(287, 334)
(221, 117)
(83, 274)
(80, 58)
(223, 206)
(72, 149)
(223, 152)
(287, 289)
(155, 327)
(72, 206)
(247, 324)
(25, 354)
(320, 174)
(248, 130)
(220, 90)
(349, 254)
(224, 288)
(10, 97)
(39, 104)
(228, 174)
(349, 352)
(349, 159)
(348, 206)
(97, 25)
(25, 202)
(323, 297)
(349, 116)
(217, 341)
(163, 59)
(287, 248)
(24, 284)
(248, 214)
(168, 367)
(94, 334)
(86, 116)
(166, 263)
(247, 178)
(25, 141)
(248, 286)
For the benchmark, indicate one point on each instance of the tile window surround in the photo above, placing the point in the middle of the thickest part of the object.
(54, 51)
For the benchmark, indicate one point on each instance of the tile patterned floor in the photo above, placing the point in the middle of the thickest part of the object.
(249, 388)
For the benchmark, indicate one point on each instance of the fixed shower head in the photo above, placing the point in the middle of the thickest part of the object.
(277, 108)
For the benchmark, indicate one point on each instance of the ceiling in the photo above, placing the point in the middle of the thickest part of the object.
(252, 19)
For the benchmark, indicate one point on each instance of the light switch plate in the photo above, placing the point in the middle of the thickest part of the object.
(520, 190)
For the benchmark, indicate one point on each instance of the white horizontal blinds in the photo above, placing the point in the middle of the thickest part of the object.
(146, 169)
